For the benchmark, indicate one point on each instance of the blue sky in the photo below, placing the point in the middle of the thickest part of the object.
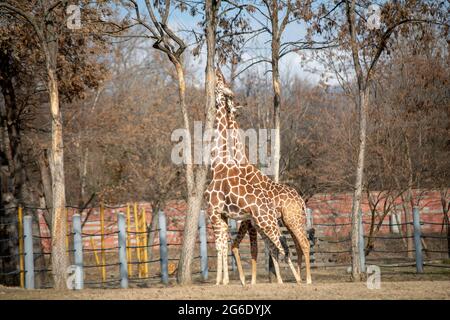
(260, 46)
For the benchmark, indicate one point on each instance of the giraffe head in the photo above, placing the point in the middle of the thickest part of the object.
(225, 94)
(223, 90)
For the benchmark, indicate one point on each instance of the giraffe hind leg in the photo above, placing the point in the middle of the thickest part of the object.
(274, 256)
(302, 243)
(299, 254)
(275, 248)
(253, 234)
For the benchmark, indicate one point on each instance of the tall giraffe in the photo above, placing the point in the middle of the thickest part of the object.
(288, 203)
(229, 195)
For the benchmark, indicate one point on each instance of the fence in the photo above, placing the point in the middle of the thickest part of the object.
(386, 250)
(129, 248)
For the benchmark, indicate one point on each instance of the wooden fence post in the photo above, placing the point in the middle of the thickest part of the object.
(122, 239)
(78, 250)
(163, 251)
(28, 251)
(203, 245)
(417, 240)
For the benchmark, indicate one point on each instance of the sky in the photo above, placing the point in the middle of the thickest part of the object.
(260, 46)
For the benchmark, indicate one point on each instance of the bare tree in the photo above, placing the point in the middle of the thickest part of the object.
(44, 27)
(167, 41)
(366, 44)
(47, 23)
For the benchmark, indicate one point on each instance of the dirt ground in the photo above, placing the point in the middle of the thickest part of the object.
(327, 284)
(388, 290)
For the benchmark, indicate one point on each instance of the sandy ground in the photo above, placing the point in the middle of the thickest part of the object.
(328, 283)
(348, 290)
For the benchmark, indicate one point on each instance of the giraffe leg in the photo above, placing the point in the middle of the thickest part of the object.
(299, 255)
(269, 229)
(219, 266)
(306, 249)
(274, 250)
(299, 259)
(303, 241)
(235, 248)
(274, 257)
(220, 228)
(294, 271)
(225, 259)
(253, 249)
(288, 259)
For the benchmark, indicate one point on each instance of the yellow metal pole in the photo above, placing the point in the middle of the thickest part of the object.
(144, 228)
(139, 224)
(97, 260)
(130, 266)
(21, 257)
(102, 240)
(136, 226)
(141, 241)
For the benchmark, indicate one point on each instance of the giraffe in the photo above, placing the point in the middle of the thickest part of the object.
(288, 203)
(229, 195)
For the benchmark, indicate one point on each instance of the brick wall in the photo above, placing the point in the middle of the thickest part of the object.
(336, 209)
(326, 208)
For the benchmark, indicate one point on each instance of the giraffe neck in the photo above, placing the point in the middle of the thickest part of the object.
(237, 146)
(220, 151)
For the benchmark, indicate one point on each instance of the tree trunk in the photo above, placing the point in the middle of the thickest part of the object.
(410, 200)
(184, 275)
(356, 209)
(59, 258)
(11, 173)
(276, 85)
(234, 63)
(83, 174)
(189, 234)
(46, 180)
(196, 186)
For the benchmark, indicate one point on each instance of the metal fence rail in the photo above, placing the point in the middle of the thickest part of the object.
(123, 233)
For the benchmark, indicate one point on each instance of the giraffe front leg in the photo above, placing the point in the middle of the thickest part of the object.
(235, 249)
(226, 279)
(219, 266)
(220, 228)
